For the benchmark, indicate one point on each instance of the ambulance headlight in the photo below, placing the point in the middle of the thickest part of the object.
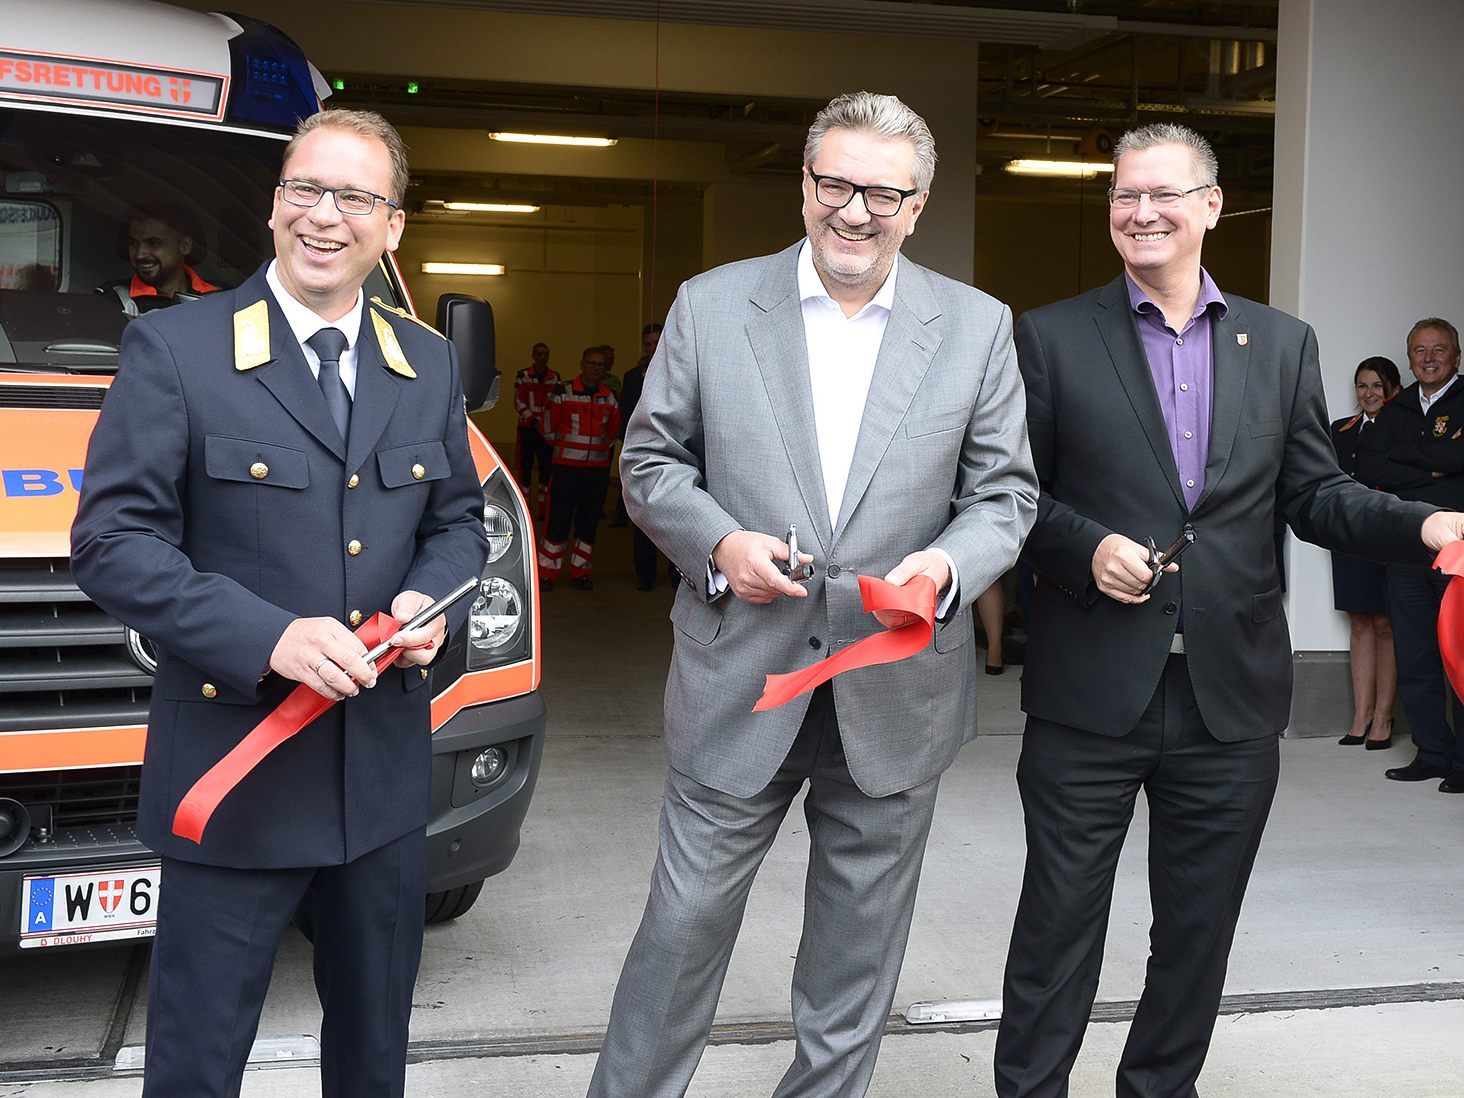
(496, 616)
(499, 527)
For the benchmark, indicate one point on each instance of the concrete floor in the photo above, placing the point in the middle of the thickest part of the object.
(1358, 886)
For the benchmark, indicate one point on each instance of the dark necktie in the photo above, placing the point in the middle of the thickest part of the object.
(328, 344)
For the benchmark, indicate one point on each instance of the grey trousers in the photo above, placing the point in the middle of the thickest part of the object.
(863, 869)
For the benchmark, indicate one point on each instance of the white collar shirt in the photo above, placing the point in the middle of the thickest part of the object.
(841, 356)
(304, 322)
(1427, 402)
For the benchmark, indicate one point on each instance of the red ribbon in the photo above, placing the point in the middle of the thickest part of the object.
(1450, 561)
(301, 707)
(915, 598)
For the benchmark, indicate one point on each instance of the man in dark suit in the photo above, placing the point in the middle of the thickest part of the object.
(1155, 405)
(1416, 451)
(272, 463)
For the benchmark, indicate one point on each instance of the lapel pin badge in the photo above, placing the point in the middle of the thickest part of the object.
(1242, 338)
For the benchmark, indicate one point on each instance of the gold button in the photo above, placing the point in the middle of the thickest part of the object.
(259, 470)
(355, 480)
(353, 547)
(355, 617)
(418, 472)
(210, 690)
(423, 670)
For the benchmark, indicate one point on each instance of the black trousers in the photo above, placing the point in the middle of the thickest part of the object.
(218, 932)
(1208, 803)
(643, 555)
(576, 498)
(1414, 594)
(532, 448)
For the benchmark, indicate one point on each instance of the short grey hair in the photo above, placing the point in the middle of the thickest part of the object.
(1433, 322)
(366, 124)
(1172, 133)
(883, 115)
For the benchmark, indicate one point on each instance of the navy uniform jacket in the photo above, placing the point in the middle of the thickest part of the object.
(1404, 448)
(219, 503)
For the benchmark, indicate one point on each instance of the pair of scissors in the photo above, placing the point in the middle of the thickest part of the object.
(796, 570)
(1159, 561)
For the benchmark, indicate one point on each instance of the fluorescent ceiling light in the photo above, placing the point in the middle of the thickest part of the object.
(554, 139)
(432, 267)
(491, 207)
(1061, 169)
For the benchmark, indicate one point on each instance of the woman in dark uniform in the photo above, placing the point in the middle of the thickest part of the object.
(1357, 585)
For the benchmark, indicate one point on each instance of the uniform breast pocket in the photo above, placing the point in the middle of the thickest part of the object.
(247, 462)
(418, 463)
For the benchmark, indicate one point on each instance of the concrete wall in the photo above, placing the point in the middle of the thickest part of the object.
(1368, 231)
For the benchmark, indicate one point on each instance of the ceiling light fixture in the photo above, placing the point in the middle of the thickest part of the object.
(1059, 169)
(433, 267)
(490, 207)
(554, 139)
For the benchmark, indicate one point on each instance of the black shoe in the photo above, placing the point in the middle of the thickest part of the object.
(1416, 771)
(584, 583)
(1454, 783)
(1380, 745)
(994, 670)
(1352, 741)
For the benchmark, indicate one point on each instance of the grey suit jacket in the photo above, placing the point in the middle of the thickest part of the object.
(1103, 456)
(723, 439)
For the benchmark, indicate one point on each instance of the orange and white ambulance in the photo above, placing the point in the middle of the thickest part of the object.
(107, 106)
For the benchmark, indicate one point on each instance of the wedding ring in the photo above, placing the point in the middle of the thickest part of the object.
(323, 661)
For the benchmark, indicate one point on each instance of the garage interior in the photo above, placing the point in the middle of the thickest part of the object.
(1347, 977)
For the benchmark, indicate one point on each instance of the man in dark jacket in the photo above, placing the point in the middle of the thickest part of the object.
(1416, 451)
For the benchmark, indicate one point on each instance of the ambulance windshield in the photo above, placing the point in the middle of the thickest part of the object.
(78, 193)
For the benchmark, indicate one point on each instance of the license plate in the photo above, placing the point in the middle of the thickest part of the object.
(73, 908)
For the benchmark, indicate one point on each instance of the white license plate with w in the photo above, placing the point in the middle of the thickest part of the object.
(73, 908)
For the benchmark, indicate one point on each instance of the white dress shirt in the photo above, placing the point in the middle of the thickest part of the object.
(1427, 402)
(841, 355)
(304, 322)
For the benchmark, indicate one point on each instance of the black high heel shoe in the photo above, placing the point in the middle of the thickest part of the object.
(1352, 741)
(1381, 745)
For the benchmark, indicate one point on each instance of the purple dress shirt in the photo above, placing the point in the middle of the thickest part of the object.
(1183, 367)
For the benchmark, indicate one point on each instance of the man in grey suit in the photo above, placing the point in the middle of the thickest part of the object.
(877, 406)
(1157, 405)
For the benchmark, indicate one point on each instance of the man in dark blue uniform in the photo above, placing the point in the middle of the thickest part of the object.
(1416, 451)
(274, 464)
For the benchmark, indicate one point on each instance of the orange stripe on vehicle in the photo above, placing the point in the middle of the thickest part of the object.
(42, 452)
(64, 749)
(483, 686)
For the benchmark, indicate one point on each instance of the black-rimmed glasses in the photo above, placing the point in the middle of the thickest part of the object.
(836, 193)
(1165, 196)
(351, 201)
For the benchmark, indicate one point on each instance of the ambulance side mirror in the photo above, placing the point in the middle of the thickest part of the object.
(468, 322)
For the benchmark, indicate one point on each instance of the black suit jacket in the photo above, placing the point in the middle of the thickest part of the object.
(218, 505)
(1405, 448)
(1105, 466)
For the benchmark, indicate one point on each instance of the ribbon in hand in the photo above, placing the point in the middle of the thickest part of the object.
(916, 598)
(1450, 561)
(299, 708)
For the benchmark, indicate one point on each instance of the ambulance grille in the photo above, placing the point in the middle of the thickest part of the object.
(52, 396)
(63, 662)
(102, 797)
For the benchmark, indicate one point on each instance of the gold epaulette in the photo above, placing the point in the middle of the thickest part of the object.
(251, 336)
(1351, 423)
(407, 316)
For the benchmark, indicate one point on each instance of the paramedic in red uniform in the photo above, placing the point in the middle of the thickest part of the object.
(580, 424)
(531, 391)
